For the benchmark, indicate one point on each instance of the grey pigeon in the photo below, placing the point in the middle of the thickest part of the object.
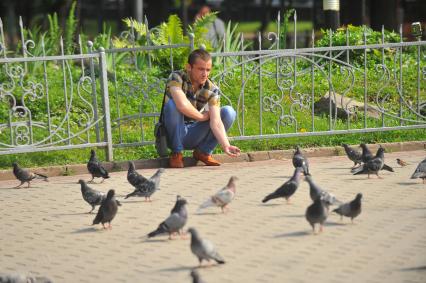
(21, 278)
(288, 188)
(223, 197)
(26, 176)
(107, 211)
(148, 188)
(299, 160)
(373, 166)
(366, 153)
(95, 168)
(134, 178)
(317, 213)
(316, 192)
(350, 209)
(420, 171)
(203, 249)
(176, 206)
(175, 222)
(196, 277)
(354, 155)
(90, 195)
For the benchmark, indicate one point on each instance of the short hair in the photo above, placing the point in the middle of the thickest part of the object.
(198, 53)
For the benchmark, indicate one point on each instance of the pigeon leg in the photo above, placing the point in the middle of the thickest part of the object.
(321, 228)
(28, 184)
(103, 225)
(91, 181)
(109, 226)
(102, 180)
(341, 218)
(17, 187)
(93, 208)
(377, 173)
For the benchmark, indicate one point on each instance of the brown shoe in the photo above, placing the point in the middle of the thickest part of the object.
(176, 160)
(205, 158)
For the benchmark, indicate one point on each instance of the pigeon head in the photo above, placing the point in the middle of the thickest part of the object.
(110, 194)
(297, 149)
(161, 170)
(358, 196)
(380, 152)
(194, 274)
(363, 145)
(81, 182)
(193, 232)
(15, 165)
(92, 153)
(131, 166)
(344, 145)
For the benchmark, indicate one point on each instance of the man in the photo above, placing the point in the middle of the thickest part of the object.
(192, 113)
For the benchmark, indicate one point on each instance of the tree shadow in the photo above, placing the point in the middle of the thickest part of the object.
(294, 234)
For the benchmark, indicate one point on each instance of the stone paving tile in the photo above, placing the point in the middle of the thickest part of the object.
(45, 230)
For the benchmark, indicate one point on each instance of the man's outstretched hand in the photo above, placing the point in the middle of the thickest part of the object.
(232, 150)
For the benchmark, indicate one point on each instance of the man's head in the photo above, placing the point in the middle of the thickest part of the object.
(199, 66)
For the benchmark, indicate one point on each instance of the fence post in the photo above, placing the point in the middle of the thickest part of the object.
(105, 102)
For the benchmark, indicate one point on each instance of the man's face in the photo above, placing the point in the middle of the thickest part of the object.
(199, 71)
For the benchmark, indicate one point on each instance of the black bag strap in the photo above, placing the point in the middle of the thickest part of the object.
(162, 107)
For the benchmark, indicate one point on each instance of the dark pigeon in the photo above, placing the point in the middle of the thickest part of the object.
(107, 211)
(288, 188)
(21, 278)
(354, 155)
(90, 195)
(175, 222)
(134, 178)
(420, 171)
(203, 249)
(148, 188)
(316, 192)
(373, 166)
(300, 161)
(176, 206)
(196, 277)
(95, 168)
(317, 213)
(26, 176)
(350, 209)
(366, 153)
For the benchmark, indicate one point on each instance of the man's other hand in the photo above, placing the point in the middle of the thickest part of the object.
(232, 150)
(205, 116)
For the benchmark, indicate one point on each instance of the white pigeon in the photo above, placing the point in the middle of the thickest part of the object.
(222, 198)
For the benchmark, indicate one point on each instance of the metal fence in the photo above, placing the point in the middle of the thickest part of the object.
(87, 100)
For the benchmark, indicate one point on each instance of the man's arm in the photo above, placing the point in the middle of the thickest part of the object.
(216, 125)
(185, 107)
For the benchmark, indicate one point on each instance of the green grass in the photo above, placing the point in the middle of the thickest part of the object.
(251, 27)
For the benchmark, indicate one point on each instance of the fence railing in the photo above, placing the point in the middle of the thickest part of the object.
(111, 98)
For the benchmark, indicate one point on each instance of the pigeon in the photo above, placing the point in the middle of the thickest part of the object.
(288, 188)
(133, 177)
(26, 176)
(223, 197)
(374, 165)
(90, 195)
(203, 249)
(175, 222)
(107, 211)
(95, 168)
(316, 192)
(148, 188)
(366, 153)
(317, 213)
(353, 155)
(401, 162)
(21, 278)
(420, 171)
(196, 277)
(350, 209)
(300, 161)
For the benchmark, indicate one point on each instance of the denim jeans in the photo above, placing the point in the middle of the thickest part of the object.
(196, 135)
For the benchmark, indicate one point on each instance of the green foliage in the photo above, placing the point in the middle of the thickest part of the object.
(284, 28)
(52, 37)
(70, 30)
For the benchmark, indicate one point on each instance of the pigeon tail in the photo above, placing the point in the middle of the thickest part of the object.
(205, 204)
(160, 230)
(359, 170)
(387, 168)
(131, 194)
(41, 176)
(269, 197)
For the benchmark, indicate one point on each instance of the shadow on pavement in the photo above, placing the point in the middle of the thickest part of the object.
(294, 234)
(407, 183)
(179, 268)
(416, 268)
(85, 230)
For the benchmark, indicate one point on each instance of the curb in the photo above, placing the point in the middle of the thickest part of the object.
(77, 169)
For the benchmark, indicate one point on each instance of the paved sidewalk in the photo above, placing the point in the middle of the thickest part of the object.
(45, 229)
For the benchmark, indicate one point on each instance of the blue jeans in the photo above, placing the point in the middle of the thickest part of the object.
(197, 135)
